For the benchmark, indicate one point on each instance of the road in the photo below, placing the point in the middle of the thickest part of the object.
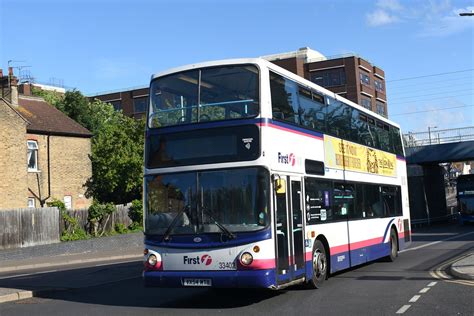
(409, 286)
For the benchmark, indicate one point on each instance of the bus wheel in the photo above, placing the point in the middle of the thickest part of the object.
(393, 246)
(320, 265)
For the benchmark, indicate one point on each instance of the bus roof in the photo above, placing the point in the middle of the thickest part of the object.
(262, 63)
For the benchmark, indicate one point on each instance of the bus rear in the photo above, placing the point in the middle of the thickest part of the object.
(465, 195)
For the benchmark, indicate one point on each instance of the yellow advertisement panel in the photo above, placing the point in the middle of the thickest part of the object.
(342, 154)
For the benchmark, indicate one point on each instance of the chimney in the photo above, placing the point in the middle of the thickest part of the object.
(25, 89)
(12, 81)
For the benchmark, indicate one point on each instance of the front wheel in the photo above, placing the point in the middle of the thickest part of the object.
(320, 265)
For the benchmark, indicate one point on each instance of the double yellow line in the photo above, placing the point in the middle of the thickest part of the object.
(440, 272)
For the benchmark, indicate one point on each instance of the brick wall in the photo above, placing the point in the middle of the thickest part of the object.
(70, 167)
(13, 156)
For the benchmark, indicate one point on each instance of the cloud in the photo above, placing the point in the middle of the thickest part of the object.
(391, 5)
(431, 18)
(446, 24)
(380, 17)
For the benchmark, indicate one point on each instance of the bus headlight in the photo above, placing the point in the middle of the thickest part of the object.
(152, 260)
(246, 258)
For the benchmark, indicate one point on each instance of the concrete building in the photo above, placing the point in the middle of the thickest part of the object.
(350, 76)
(132, 102)
(44, 153)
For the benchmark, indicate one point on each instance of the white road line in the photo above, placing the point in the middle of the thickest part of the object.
(434, 234)
(403, 309)
(432, 283)
(436, 242)
(424, 290)
(414, 298)
(26, 274)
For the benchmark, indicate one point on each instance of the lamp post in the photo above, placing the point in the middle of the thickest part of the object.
(429, 132)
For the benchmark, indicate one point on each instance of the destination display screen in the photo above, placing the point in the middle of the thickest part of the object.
(214, 145)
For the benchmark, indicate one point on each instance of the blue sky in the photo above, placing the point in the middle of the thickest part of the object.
(103, 45)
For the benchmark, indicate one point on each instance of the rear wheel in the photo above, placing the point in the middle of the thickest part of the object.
(393, 246)
(320, 265)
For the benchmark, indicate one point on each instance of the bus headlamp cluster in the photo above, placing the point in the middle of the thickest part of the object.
(246, 258)
(152, 260)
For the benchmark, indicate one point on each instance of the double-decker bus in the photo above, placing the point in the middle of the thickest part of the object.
(256, 177)
(465, 195)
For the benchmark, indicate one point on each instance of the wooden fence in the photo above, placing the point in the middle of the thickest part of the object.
(120, 216)
(38, 226)
(28, 227)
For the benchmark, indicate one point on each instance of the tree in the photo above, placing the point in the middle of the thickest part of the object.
(76, 106)
(117, 156)
(117, 146)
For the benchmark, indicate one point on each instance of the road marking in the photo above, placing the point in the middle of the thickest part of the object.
(434, 234)
(440, 274)
(415, 298)
(436, 242)
(26, 274)
(403, 309)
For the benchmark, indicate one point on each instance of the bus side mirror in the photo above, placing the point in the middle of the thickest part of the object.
(280, 186)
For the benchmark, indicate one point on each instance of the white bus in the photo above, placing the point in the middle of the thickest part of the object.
(256, 177)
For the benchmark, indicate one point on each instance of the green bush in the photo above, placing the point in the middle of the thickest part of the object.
(57, 203)
(99, 215)
(136, 214)
(121, 228)
(72, 229)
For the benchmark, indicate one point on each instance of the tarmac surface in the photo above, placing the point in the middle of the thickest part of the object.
(116, 249)
(23, 261)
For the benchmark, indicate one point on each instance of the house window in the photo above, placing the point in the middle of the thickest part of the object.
(378, 85)
(364, 79)
(31, 202)
(139, 105)
(68, 202)
(329, 78)
(117, 104)
(365, 102)
(381, 108)
(32, 155)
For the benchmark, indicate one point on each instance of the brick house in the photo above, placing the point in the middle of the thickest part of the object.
(44, 153)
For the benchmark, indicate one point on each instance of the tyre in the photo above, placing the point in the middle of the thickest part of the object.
(320, 265)
(393, 246)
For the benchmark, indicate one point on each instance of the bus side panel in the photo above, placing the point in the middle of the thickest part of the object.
(336, 235)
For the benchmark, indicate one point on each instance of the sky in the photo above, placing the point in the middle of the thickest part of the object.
(425, 48)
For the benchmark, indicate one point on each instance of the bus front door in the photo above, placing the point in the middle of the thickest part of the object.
(289, 230)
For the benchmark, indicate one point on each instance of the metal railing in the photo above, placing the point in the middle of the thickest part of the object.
(435, 137)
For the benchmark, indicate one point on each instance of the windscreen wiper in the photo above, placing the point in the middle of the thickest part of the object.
(166, 236)
(221, 227)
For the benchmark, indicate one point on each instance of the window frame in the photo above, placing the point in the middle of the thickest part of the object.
(34, 151)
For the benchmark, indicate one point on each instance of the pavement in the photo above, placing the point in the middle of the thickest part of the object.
(120, 248)
(21, 262)
(464, 267)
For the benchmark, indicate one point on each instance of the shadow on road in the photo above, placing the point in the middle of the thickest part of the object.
(132, 293)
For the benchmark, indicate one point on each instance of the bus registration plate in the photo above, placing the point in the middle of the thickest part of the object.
(197, 282)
